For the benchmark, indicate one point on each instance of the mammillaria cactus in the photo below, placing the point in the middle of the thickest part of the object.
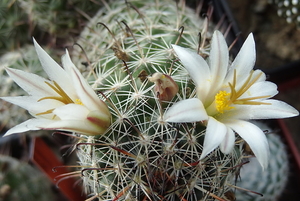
(13, 26)
(272, 181)
(20, 19)
(130, 62)
(171, 119)
(289, 9)
(20, 181)
(57, 18)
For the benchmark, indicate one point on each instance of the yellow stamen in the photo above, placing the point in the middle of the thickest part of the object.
(225, 100)
(46, 112)
(78, 101)
(63, 97)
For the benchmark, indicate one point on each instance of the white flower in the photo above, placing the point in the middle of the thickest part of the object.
(227, 96)
(65, 102)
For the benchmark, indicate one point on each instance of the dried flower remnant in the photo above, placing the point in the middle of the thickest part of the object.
(165, 87)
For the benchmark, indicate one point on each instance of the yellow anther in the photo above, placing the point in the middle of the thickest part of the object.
(222, 101)
(78, 101)
(225, 100)
(63, 96)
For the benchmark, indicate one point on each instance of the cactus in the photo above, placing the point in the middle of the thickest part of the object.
(20, 181)
(21, 19)
(289, 9)
(58, 18)
(13, 26)
(127, 56)
(129, 148)
(272, 181)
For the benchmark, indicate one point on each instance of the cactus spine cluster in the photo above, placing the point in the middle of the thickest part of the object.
(128, 59)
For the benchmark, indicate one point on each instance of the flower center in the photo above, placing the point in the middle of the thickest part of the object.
(63, 97)
(225, 100)
(222, 101)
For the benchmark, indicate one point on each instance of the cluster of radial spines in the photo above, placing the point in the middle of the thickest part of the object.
(141, 157)
(144, 34)
(155, 163)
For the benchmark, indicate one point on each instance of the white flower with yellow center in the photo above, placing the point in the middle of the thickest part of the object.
(227, 96)
(65, 102)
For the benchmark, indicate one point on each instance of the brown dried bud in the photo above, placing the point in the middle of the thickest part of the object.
(165, 87)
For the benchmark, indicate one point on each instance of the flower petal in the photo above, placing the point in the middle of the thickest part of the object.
(31, 124)
(53, 70)
(255, 138)
(218, 59)
(197, 68)
(276, 109)
(79, 126)
(215, 133)
(85, 92)
(22, 101)
(33, 84)
(189, 110)
(227, 144)
(244, 61)
(71, 112)
(31, 104)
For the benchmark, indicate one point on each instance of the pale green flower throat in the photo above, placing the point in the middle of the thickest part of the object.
(225, 100)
